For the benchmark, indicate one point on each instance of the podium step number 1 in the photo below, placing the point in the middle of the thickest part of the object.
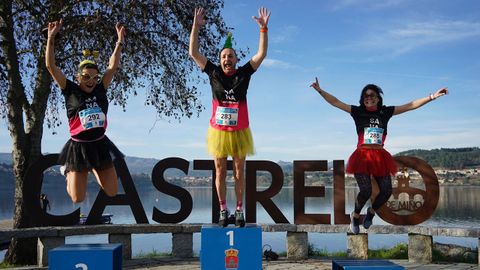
(231, 248)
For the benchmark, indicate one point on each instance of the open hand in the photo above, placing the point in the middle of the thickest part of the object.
(199, 17)
(263, 15)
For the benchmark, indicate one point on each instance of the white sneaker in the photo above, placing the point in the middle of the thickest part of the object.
(354, 224)
(62, 170)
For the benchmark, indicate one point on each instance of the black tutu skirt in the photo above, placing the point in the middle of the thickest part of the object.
(80, 156)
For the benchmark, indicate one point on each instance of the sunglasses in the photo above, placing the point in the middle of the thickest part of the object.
(370, 96)
(87, 78)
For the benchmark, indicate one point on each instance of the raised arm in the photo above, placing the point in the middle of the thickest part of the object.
(116, 55)
(331, 99)
(420, 102)
(262, 21)
(57, 74)
(198, 22)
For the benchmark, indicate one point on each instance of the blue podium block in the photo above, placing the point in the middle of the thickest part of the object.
(231, 248)
(365, 264)
(86, 257)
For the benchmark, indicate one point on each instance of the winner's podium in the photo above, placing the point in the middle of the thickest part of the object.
(231, 248)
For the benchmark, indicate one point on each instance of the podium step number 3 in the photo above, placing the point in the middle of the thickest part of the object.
(86, 257)
(231, 248)
(364, 265)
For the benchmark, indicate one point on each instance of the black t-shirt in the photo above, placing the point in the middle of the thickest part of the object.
(229, 88)
(76, 101)
(375, 119)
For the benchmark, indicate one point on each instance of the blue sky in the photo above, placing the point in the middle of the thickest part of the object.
(409, 48)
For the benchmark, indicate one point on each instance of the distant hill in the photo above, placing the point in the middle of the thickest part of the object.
(450, 158)
(138, 165)
(142, 166)
(6, 175)
(6, 158)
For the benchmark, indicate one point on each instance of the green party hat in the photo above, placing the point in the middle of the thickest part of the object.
(228, 41)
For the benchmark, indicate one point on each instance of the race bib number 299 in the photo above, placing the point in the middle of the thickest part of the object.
(92, 118)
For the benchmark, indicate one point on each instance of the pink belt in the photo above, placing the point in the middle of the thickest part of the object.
(98, 139)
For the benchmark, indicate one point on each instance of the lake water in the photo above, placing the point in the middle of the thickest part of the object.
(458, 207)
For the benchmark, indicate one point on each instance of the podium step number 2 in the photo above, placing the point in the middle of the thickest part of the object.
(231, 248)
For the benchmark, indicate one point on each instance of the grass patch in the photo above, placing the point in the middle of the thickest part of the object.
(325, 253)
(315, 252)
(399, 251)
(437, 255)
(4, 265)
(152, 254)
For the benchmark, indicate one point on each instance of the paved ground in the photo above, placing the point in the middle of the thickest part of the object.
(282, 264)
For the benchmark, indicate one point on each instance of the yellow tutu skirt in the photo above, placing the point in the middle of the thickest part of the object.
(237, 143)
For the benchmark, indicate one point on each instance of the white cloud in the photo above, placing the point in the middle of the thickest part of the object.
(434, 133)
(287, 33)
(190, 145)
(367, 4)
(297, 152)
(444, 140)
(408, 75)
(131, 143)
(274, 63)
(420, 34)
(240, 5)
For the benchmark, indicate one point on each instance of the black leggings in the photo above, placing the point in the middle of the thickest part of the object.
(364, 182)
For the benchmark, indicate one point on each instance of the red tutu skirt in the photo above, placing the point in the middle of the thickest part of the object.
(377, 162)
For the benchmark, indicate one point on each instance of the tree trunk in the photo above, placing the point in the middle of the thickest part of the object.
(26, 139)
(24, 251)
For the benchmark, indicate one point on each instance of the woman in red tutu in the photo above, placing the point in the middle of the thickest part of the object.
(370, 159)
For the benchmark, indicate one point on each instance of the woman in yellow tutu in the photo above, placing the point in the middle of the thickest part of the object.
(229, 133)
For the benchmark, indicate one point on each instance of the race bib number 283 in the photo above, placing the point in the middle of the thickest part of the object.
(225, 116)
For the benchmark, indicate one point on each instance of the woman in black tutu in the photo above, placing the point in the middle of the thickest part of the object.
(86, 102)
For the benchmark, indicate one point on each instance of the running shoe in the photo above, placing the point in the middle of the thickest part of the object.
(367, 222)
(223, 220)
(354, 224)
(239, 218)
